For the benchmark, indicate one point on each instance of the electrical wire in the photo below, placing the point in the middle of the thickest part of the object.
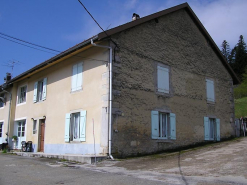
(97, 23)
(25, 45)
(29, 42)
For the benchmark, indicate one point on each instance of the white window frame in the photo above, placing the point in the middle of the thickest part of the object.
(77, 77)
(35, 123)
(1, 102)
(210, 90)
(162, 79)
(170, 129)
(81, 129)
(19, 95)
(39, 93)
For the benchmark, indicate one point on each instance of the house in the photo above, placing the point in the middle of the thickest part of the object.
(155, 83)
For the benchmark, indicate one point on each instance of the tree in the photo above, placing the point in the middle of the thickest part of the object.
(238, 57)
(241, 90)
(225, 50)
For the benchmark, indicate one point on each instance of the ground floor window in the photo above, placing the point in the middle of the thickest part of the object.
(34, 126)
(163, 125)
(75, 126)
(212, 128)
(21, 128)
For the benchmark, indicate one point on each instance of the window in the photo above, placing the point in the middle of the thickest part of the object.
(77, 77)
(163, 125)
(211, 129)
(75, 126)
(2, 100)
(22, 94)
(162, 79)
(21, 128)
(34, 126)
(1, 129)
(40, 90)
(210, 90)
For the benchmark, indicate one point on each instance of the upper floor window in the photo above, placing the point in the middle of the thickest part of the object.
(76, 83)
(210, 90)
(22, 94)
(163, 79)
(40, 90)
(1, 100)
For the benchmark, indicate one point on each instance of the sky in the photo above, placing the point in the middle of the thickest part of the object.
(61, 24)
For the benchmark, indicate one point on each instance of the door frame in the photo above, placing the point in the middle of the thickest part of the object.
(39, 134)
(22, 138)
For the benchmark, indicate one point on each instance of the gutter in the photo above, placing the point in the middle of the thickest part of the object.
(110, 99)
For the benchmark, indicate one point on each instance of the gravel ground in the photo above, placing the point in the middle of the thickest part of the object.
(217, 163)
(221, 163)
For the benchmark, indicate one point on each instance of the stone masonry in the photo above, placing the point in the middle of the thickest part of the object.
(175, 41)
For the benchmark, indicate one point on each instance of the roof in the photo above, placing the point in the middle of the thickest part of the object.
(108, 33)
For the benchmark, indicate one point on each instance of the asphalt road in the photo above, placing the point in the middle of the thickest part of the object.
(223, 163)
(17, 170)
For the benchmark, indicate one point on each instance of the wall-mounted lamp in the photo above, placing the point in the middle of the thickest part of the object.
(32, 119)
(44, 117)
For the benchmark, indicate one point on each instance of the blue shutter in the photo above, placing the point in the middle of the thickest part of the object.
(74, 78)
(210, 90)
(79, 76)
(67, 125)
(218, 129)
(173, 126)
(83, 121)
(35, 92)
(163, 79)
(155, 124)
(206, 128)
(44, 89)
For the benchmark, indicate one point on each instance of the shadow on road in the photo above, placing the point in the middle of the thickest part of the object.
(180, 170)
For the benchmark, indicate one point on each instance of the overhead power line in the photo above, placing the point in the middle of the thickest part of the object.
(28, 42)
(25, 45)
(97, 23)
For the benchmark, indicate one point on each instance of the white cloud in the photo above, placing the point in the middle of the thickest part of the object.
(223, 19)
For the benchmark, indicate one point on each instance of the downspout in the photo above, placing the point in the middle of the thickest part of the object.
(10, 98)
(110, 99)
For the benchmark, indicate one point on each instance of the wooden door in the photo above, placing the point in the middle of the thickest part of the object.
(42, 135)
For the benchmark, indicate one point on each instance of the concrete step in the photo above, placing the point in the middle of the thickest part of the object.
(70, 157)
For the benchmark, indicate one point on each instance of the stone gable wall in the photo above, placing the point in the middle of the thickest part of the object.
(174, 41)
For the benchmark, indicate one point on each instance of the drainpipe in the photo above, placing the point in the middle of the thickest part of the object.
(110, 101)
(10, 98)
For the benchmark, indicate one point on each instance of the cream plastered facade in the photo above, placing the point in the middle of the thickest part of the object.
(60, 100)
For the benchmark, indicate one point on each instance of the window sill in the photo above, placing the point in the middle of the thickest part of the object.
(39, 101)
(168, 95)
(74, 142)
(2, 107)
(211, 102)
(79, 90)
(164, 141)
(19, 104)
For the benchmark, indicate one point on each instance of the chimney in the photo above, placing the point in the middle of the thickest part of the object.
(7, 78)
(135, 17)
